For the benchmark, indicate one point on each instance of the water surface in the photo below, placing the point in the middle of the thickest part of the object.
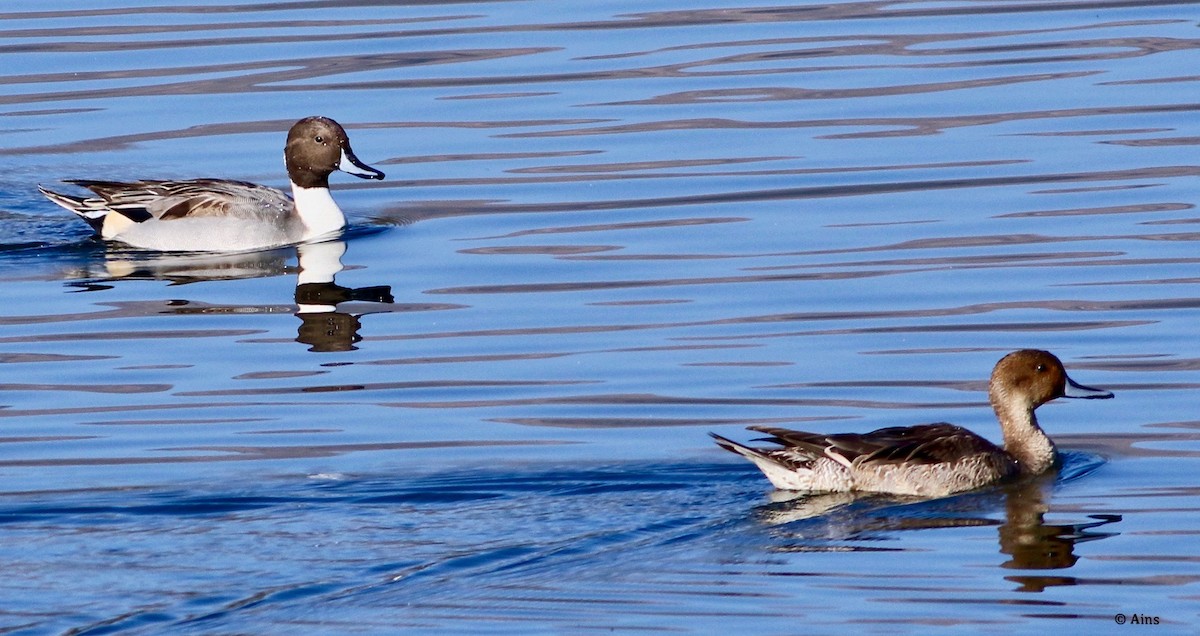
(605, 231)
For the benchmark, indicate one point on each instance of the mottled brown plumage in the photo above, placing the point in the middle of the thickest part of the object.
(930, 459)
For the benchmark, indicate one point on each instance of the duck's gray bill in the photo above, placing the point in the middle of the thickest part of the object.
(351, 165)
(1076, 390)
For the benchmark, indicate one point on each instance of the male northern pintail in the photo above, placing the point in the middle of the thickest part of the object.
(931, 460)
(217, 215)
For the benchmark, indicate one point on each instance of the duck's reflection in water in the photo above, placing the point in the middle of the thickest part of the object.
(1034, 544)
(181, 268)
(322, 326)
(326, 322)
(844, 522)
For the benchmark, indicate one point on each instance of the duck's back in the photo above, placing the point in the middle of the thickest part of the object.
(197, 214)
(925, 460)
(929, 460)
(191, 198)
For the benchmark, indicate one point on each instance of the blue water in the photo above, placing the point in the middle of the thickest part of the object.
(606, 230)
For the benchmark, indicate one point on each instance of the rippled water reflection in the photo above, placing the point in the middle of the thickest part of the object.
(605, 232)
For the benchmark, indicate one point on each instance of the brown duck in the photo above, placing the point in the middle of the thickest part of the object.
(930, 460)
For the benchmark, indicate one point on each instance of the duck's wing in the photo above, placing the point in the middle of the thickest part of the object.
(813, 444)
(924, 444)
(141, 201)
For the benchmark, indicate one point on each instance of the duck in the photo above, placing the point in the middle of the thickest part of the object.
(928, 460)
(221, 215)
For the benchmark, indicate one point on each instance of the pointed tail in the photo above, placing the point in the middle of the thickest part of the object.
(782, 474)
(81, 206)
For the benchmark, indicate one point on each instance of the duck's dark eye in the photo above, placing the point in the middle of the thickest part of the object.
(319, 139)
(1041, 368)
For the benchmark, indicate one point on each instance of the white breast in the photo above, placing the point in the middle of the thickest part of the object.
(318, 212)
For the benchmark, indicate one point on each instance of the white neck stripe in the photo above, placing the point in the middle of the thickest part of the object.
(318, 211)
